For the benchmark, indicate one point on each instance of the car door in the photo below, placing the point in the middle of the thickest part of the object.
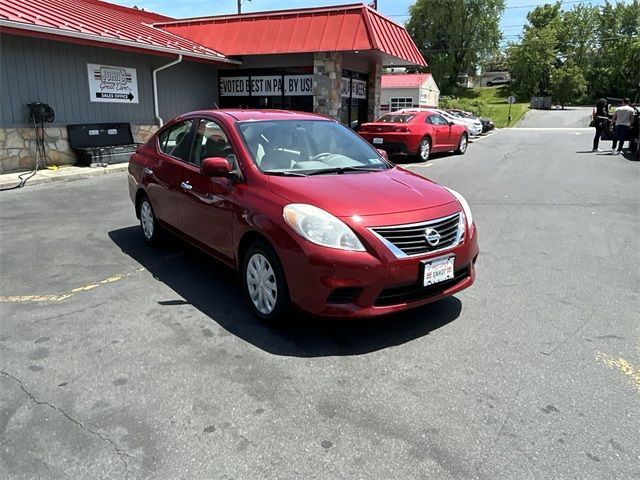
(205, 204)
(442, 132)
(162, 173)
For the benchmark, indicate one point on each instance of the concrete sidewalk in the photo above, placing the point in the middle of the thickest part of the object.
(66, 172)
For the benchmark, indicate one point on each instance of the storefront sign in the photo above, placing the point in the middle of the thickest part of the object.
(346, 87)
(112, 84)
(358, 88)
(266, 85)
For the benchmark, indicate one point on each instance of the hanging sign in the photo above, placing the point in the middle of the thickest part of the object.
(108, 83)
(266, 85)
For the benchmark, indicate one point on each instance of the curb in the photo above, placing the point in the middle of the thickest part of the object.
(63, 173)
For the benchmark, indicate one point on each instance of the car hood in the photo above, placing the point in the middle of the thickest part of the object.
(369, 193)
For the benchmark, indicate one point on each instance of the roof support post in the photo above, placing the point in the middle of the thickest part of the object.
(155, 87)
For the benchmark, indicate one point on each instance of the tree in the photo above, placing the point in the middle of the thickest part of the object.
(454, 35)
(615, 71)
(533, 60)
(602, 42)
(568, 84)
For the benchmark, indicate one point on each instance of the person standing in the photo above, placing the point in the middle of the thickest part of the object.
(600, 117)
(623, 119)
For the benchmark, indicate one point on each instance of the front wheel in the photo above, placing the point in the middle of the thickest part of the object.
(264, 283)
(462, 144)
(424, 150)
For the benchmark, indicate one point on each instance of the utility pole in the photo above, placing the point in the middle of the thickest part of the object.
(240, 6)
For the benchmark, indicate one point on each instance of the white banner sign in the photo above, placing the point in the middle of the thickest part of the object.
(358, 88)
(266, 85)
(346, 82)
(112, 84)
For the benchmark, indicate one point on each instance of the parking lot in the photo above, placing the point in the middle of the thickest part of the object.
(122, 361)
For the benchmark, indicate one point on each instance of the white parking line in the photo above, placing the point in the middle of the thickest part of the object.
(477, 139)
(550, 129)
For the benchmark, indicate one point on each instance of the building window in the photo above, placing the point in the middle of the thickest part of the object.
(398, 103)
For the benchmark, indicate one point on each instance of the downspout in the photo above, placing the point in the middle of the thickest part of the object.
(155, 87)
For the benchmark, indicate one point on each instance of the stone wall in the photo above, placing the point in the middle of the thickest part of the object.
(18, 146)
(327, 84)
(375, 91)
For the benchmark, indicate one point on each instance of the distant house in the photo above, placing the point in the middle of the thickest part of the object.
(408, 90)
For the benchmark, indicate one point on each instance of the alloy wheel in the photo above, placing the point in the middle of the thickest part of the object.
(462, 147)
(425, 149)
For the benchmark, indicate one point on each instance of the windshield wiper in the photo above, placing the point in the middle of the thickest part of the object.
(287, 173)
(340, 170)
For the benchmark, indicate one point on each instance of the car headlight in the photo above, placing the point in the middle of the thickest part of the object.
(465, 206)
(320, 227)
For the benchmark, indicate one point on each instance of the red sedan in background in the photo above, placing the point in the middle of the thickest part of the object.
(419, 133)
(306, 211)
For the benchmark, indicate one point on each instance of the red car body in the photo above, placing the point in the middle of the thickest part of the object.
(405, 132)
(225, 215)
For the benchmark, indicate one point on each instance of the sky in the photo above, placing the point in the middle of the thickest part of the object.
(514, 17)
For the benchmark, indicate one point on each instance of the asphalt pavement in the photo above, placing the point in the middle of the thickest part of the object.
(118, 360)
(570, 117)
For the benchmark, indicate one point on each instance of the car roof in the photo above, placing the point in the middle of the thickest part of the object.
(243, 115)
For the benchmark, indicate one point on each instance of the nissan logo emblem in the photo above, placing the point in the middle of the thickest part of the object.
(432, 237)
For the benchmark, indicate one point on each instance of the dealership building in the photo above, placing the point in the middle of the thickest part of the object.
(95, 62)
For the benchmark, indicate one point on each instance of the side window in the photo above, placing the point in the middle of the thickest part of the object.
(176, 141)
(211, 141)
(436, 120)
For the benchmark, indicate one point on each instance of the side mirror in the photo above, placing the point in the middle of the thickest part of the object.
(451, 124)
(384, 153)
(215, 167)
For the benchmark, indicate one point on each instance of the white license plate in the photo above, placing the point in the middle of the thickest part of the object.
(439, 270)
(378, 141)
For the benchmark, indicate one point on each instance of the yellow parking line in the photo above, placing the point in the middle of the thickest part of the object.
(63, 296)
(623, 366)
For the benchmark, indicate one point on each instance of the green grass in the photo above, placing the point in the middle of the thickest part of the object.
(488, 102)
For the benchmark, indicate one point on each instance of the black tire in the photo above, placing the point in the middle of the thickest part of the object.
(151, 230)
(462, 144)
(273, 284)
(489, 84)
(424, 149)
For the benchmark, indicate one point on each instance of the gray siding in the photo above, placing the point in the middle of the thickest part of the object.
(33, 69)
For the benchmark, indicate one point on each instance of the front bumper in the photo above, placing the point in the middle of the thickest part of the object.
(334, 283)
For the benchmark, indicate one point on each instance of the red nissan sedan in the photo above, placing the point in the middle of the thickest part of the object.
(308, 213)
(416, 132)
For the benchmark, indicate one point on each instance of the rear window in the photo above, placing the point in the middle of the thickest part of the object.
(395, 118)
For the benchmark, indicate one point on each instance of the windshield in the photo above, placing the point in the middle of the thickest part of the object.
(302, 147)
(390, 118)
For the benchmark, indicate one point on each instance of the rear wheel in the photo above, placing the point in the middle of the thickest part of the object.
(424, 150)
(462, 144)
(151, 231)
(264, 283)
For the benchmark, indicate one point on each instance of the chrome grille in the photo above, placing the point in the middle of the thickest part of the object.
(409, 240)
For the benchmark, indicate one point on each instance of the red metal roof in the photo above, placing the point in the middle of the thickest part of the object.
(329, 29)
(98, 21)
(404, 80)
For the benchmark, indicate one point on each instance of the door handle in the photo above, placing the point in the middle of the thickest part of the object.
(148, 171)
(186, 185)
